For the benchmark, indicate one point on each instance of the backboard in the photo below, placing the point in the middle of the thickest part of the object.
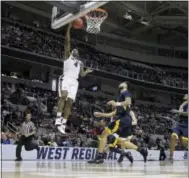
(71, 16)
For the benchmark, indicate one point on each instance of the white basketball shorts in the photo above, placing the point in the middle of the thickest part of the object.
(70, 85)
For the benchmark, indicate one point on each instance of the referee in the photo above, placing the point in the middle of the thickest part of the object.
(27, 133)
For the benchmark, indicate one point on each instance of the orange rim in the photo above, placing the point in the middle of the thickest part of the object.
(97, 10)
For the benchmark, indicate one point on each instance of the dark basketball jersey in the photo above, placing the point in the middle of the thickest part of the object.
(122, 111)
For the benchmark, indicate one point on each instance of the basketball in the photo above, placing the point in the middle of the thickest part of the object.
(78, 24)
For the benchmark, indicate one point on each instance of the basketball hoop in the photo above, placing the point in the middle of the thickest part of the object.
(94, 19)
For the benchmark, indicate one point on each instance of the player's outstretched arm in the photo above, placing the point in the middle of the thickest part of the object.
(183, 113)
(83, 72)
(106, 115)
(67, 47)
(176, 111)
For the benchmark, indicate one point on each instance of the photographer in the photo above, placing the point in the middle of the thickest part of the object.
(27, 133)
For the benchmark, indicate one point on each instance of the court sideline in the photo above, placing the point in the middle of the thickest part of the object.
(78, 169)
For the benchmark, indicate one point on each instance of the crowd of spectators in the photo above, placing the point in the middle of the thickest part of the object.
(83, 129)
(45, 24)
(36, 40)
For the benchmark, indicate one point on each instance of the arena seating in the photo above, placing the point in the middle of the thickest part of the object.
(15, 98)
(39, 41)
(83, 127)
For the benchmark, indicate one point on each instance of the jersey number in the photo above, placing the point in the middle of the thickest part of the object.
(76, 64)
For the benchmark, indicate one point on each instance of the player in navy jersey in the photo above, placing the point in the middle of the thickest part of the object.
(181, 130)
(123, 138)
(121, 124)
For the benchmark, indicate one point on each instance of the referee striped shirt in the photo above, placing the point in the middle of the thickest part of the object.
(27, 128)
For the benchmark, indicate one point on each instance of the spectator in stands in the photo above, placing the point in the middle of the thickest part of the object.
(82, 115)
(18, 35)
(4, 139)
(52, 143)
(59, 141)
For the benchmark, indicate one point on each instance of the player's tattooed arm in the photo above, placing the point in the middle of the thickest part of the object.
(83, 72)
(106, 115)
(67, 46)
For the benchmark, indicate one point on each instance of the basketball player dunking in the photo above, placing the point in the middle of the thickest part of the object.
(68, 83)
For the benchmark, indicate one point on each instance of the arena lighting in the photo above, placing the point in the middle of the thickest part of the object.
(84, 9)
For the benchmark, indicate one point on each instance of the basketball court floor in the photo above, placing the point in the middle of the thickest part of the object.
(76, 169)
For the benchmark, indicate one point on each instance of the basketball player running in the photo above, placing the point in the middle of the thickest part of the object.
(123, 123)
(181, 131)
(68, 83)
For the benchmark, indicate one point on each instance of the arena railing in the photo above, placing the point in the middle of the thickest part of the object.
(132, 74)
(137, 76)
(97, 64)
(90, 93)
(129, 74)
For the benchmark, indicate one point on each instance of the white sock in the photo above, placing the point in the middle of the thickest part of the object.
(59, 114)
(64, 121)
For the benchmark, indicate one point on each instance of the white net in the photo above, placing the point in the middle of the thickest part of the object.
(94, 20)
